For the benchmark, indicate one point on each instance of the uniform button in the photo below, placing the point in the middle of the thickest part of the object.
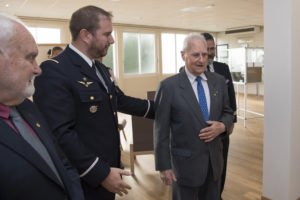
(92, 98)
(115, 113)
(110, 96)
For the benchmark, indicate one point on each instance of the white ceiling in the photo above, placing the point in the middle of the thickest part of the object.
(206, 15)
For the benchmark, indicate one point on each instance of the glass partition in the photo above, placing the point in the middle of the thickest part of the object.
(246, 64)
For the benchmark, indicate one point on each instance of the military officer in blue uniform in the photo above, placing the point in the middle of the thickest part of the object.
(79, 99)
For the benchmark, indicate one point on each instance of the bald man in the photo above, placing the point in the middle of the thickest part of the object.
(32, 167)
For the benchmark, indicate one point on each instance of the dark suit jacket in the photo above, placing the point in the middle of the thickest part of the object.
(82, 115)
(24, 174)
(223, 69)
(177, 109)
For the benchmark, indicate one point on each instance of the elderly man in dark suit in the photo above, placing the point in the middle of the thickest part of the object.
(191, 116)
(222, 69)
(80, 100)
(31, 165)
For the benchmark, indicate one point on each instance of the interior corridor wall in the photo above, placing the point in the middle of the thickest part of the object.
(281, 164)
(134, 85)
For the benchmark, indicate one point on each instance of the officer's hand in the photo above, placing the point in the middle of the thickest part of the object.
(114, 183)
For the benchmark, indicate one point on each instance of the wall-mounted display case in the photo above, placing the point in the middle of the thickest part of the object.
(246, 64)
(246, 67)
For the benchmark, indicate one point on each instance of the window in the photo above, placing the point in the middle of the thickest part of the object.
(171, 47)
(110, 59)
(45, 35)
(139, 53)
(168, 53)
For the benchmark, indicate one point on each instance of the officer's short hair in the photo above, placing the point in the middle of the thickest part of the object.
(87, 18)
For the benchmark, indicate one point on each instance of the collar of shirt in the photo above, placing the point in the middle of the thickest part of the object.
(4, 111)
(84, 57)
(192, 78)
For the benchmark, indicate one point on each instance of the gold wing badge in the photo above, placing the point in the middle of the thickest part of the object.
(85, 83)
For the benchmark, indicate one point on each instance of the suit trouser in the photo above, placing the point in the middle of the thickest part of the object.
(98, 193)
(210, 190)
(225, 142)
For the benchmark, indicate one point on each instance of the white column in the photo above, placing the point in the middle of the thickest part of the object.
(281, 165)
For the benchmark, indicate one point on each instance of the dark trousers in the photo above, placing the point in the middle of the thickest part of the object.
(225, 142)
(98, 193)
(210, 190)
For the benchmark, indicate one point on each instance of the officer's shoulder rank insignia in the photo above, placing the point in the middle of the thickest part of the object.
(93, 109)
(85, 82)
(53, 60)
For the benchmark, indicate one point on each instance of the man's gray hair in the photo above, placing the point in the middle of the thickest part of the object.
(190, 37)
(7, 27)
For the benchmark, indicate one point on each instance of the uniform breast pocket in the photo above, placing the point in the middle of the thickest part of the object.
(90, 96)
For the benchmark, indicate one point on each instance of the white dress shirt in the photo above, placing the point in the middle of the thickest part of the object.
(211, 67)
(194, 83)
(90, 63)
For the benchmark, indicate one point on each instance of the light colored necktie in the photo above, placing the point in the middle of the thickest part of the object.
(202, 99)
(32, 139)
(99, 76)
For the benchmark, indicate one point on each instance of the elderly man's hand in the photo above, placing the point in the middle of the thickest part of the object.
(209, 133)
(167, 176)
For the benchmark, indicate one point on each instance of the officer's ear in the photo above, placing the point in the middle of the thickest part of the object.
(85, 36)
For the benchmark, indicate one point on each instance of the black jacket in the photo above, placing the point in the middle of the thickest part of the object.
(24, 174)
(83, 115)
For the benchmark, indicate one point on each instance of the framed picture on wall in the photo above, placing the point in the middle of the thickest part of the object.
(222, 51)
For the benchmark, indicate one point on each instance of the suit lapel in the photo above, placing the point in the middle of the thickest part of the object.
(20, 146)
(217, 68)
(189, 95)
(85, 69)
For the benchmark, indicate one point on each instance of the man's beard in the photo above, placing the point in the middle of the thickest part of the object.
(95, 51)
(28, 90)
(210, 61)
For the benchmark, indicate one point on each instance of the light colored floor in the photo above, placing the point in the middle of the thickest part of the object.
(244, 173)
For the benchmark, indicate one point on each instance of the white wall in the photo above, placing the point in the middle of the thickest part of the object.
(146, 82)
(63, 25)
(281, 174)
(295, 135)
(252, 39)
